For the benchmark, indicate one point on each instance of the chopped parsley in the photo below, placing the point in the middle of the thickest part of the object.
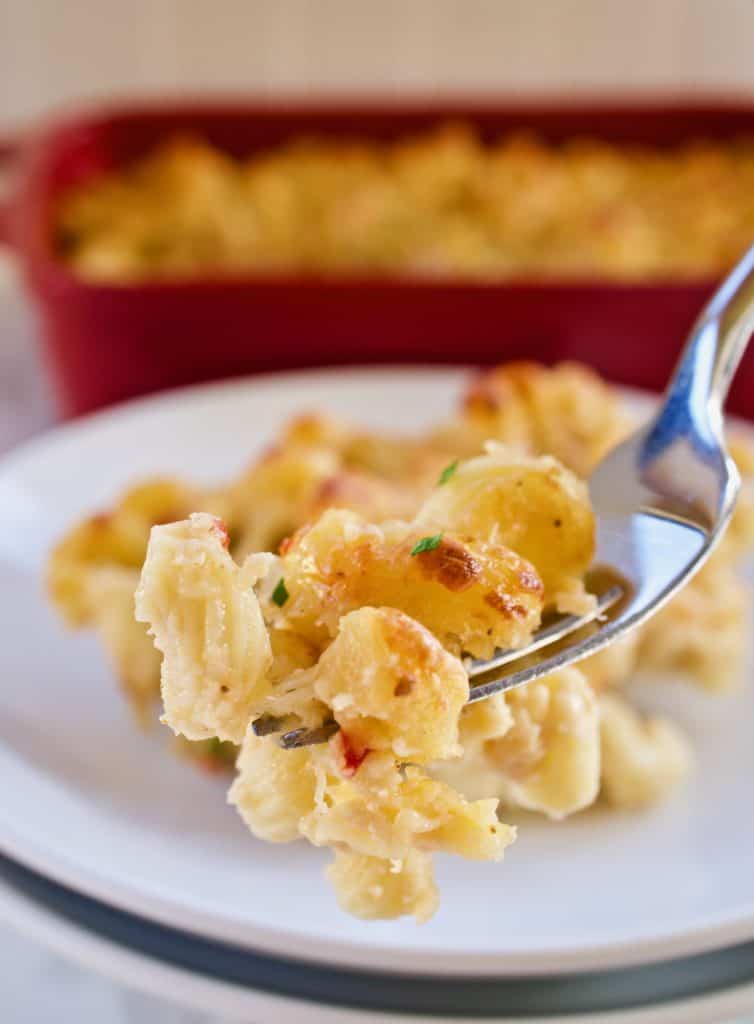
(280, 594)
(447, 473)
(426, 544)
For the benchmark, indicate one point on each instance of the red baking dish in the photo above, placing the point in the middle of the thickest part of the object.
(109, 342)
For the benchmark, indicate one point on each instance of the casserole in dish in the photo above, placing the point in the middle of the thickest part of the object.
(108, 341)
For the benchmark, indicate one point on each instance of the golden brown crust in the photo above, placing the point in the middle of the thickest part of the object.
(450, 564)
(442, 203)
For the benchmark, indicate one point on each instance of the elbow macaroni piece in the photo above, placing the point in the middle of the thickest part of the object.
(372, 887)
(274, 788)
(110, 596)
(473, 595)
(93, 565)
(116, 538)
(410, 463)
(643, 759)
(549, 759)
(206, 621)
(702, 631)
(265, 502)
(534, 506)
(374, 498)
(291, 652)
(473, 773)
(565, 411)
(384, 811)
(392, 686)
(537, 748)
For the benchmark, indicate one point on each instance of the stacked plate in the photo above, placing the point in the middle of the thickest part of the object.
(123, 855)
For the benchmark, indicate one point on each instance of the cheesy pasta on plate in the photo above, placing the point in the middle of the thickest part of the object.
(342, 581)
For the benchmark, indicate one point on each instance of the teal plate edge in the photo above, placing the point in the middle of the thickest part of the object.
(481, 998)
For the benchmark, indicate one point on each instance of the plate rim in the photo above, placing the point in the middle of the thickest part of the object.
(716, 932)
(136, 952)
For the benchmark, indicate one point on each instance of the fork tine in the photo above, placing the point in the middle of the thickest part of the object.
(530, 665)
(562, 627)
(304, 737)
(265, 725)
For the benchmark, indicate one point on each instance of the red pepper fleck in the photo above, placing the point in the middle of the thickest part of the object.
(222, 531)
(350, 756)
(285, 545)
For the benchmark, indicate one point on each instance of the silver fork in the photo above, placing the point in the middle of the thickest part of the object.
(662, 500)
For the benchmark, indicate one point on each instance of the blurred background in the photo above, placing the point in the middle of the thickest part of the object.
(65, 60)
(53, 53)
(55, 56)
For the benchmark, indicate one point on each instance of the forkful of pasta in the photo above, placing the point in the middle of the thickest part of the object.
(512, 564)
(662, 500)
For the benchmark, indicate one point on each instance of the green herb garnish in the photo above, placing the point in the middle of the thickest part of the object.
(426, 544)
(280, 594)
(447, 473)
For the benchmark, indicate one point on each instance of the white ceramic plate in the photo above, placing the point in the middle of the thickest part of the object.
(194, 974)
(89, 801)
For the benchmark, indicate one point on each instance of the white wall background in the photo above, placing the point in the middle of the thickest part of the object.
(56, 51)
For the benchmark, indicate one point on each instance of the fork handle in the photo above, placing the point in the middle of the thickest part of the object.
(714, 349)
